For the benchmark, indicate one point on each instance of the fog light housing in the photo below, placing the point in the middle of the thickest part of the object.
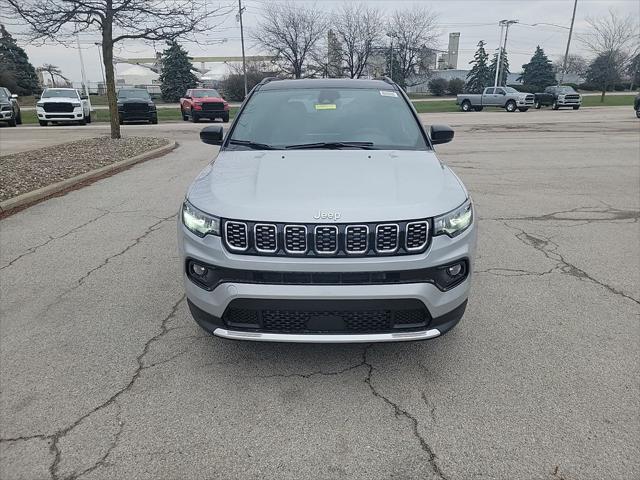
(454, 270)
(451, 275)
(199, 270)
(205, 276)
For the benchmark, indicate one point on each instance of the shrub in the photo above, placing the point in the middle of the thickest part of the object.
(455, 86)
(438, 86)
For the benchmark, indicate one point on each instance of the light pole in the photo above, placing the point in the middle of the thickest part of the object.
(495, 82)
(566, 53)
(507, 24)
(99, 46)
(244, 63)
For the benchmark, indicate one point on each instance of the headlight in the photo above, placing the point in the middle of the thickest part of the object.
(40, 104)
(199, 222)
(454, 222)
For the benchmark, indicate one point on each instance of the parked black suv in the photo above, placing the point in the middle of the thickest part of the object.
(636, 105)
(9, 108)
(136, 105)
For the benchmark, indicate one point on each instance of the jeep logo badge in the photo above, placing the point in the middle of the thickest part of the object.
(323, 215)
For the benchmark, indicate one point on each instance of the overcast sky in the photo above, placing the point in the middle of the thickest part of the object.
(474, 19)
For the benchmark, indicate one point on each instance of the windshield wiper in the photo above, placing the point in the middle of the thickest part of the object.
(249, 144)
(336, 145)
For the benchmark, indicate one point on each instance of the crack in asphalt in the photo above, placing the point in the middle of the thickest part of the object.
(607, 215)
(400, 412)
(430, 406)
(35, 248)
(313, 374)
(550, 250)
(54, 438)
(514, 272)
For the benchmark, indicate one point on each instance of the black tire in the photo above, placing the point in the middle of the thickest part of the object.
(523, 109)
(120, 120)
(82, 122)
(638, 113)
(538, 105)
(19, 118)
(576, 107)
(43, 123)
(88, 118)
(154, 121)
(185, 117)
(555, 105)
(12, 122)
(225, 117)
(194, 117)
(466, 106)
(511, 106)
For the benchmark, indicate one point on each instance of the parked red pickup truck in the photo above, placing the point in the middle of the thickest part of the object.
(203, 103)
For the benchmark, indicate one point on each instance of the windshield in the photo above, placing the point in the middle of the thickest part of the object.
(60, 94)
(510, 90)
(134, 93)
(566, 90)
(3, 94)
(205, 93)
(381, 118)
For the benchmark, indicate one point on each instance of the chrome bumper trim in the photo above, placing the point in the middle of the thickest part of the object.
(328, 337)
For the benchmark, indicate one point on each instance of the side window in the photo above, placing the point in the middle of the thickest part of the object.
(489, 91)
(500, 91)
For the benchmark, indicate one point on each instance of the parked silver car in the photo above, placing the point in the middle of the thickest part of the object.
(322, 220)
(501, 97)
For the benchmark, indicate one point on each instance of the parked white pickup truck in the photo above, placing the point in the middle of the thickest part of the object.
(502, 97)
(63, 105)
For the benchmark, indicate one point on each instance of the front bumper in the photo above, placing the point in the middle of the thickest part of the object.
(444, 307)
(137, 116)
(76, 115)
(6, 114)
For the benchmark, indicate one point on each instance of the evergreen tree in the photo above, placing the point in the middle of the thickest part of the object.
(605, 71)
(504, 68)
(177, 75)
(15, 63)
(479, 76)
(538, 74)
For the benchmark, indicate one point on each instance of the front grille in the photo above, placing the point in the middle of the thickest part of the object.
(572, 97)
(529, 98)
(278, 239)
(357, 238)
(266, 238)
(326, 239)
(236, 235)
(58, 107)
(417, 235)
(387, 238)
(212, 106)
(6, 108)
(326, 321)
(136, 107)
(295, 239)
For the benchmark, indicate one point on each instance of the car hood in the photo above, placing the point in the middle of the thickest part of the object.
(294, 186)
(208, 99)
(59, 100)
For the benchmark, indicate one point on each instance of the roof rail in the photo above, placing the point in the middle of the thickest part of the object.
(268, 79)
(386, 79)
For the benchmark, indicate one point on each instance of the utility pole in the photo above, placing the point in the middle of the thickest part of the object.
(495, 82)
(82, 72)
(566, 53)
(244, 62)
(507, 24)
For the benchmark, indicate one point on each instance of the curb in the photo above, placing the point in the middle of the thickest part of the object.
(40, 194)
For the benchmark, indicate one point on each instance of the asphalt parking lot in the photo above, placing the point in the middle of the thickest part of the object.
(105, 375)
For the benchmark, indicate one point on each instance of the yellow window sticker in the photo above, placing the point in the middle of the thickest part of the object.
(325, 106)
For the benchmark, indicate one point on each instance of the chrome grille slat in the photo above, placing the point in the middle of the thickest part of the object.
(387, 237)
(295, 239)
(265, 237)
(356, 239)
(326, 239)
(416, 235)
(236, 235)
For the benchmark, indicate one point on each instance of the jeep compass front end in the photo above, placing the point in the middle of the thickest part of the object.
(327, 217)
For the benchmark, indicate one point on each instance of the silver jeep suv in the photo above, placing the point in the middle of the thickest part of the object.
(327, 217)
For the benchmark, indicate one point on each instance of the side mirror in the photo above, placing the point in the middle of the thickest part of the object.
(188, 97)
(441, 134)
(212, 135)
(83, 97)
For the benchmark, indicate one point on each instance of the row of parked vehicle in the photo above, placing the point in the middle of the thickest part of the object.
(511, 99)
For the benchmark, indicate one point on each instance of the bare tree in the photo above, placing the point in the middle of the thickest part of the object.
(291, 33)
(411, 31)
(358, 28)
(53, 71)
(115, 21)
(614, 41)
(576, 64)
